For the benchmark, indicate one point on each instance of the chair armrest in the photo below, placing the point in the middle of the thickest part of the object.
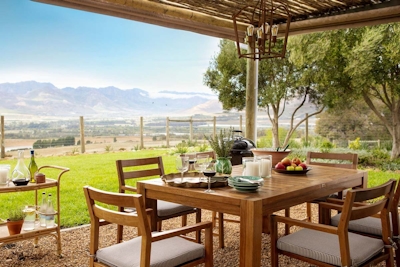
(129, 188)
(181, 231)
(326, 205)
(305, 224)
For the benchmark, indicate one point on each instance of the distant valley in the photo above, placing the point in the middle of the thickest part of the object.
(44, 99)
(32, 100)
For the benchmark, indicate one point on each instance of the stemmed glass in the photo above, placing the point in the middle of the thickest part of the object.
(182, 165)
(201, 163)
(209, 172)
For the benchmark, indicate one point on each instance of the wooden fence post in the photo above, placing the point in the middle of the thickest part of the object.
(141, 133)
(191, 129)
(215, 126)
(3, 149)
(167, 132)
(82, 134)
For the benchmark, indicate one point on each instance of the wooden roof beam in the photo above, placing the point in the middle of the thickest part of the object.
(173, 17)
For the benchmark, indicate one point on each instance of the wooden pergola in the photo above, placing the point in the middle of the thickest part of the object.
(214, 18)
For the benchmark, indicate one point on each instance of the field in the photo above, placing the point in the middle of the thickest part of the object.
(98, 144)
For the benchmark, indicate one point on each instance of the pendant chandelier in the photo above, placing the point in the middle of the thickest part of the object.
(263, 22)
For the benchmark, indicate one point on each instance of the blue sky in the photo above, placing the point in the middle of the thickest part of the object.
(68, 47)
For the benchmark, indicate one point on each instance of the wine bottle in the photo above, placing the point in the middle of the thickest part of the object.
(33, 168)
(20, 171)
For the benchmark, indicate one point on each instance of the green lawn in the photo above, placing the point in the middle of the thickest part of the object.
(99, 170)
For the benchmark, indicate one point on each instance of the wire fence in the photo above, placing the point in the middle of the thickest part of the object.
(90, 135)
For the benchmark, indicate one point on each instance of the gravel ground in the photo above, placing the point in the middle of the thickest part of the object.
(75, 245)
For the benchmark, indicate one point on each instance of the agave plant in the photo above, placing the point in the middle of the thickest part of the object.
(222, 142)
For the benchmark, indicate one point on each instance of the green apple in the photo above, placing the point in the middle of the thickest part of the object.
(290, 168)
(298, 168)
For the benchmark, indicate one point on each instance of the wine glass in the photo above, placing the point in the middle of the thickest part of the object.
(209, 172)
(182, 165)
(201, 163)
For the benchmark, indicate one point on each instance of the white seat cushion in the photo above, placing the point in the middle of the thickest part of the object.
(165, 208)
(325, 247)
(165, 253)
(369, 225)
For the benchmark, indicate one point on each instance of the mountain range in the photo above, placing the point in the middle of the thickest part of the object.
(45, 99)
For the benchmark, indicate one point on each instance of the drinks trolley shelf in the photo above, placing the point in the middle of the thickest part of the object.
(39, 231)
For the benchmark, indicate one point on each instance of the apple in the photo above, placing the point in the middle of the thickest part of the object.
(280, 166)
(298, 168)
(286, 161)
(303, 165)
(296, 161)
(293, 164)
(290, 168)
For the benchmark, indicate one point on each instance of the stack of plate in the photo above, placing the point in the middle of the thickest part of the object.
(245, 183)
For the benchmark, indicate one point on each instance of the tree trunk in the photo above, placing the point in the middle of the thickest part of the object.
(392, 126)
(275, 131)
(396, 132)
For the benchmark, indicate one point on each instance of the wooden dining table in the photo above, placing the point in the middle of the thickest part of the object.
(278, 192)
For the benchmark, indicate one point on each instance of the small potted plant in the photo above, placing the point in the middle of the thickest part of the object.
(222, 145)
(15, 221)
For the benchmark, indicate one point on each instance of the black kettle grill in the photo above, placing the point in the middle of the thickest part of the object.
(240, 148)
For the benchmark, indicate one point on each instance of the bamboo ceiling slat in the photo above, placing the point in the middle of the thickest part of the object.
(214, 17)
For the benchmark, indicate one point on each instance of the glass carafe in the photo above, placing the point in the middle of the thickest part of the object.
(20, 171)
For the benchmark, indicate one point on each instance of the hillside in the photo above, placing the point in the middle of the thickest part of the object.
(44, 99)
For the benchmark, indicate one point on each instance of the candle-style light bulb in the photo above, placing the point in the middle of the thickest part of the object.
(274, 30)
(266, 28)
(250, 30)
(260, 33)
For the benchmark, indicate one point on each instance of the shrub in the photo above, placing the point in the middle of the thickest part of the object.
(181, 148)
(203, 147)
(355, 145)
(326, 146)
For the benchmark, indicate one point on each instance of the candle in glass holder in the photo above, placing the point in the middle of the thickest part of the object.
(4, 170)
(252, 168)
(265, 166)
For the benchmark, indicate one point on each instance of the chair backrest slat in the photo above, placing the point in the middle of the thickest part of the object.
(139, 168)
(340, 160)
(122, 218)
(97, 199)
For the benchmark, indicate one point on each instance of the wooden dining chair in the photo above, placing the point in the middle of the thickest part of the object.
(339, 160)
(370, 226)
(326, 245)
(146, 168)
(149, 248)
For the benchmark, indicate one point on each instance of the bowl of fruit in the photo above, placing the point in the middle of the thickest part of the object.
(291, 166)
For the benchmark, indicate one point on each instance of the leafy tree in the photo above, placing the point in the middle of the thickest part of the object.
(352, 64)
(279, 81)
(350, 123)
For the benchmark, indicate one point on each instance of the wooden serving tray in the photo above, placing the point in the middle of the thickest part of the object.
(192, 180)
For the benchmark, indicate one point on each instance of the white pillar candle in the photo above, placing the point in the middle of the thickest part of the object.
(3, 176)
(253, 168)
(265, 168)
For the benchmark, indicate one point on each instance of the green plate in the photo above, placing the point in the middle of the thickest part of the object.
(235, 180)
(245, 189)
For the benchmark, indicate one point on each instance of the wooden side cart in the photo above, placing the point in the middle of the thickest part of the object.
(38, 231)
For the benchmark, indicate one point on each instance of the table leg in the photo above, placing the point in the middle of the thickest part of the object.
(251, 220)
(149, 203)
